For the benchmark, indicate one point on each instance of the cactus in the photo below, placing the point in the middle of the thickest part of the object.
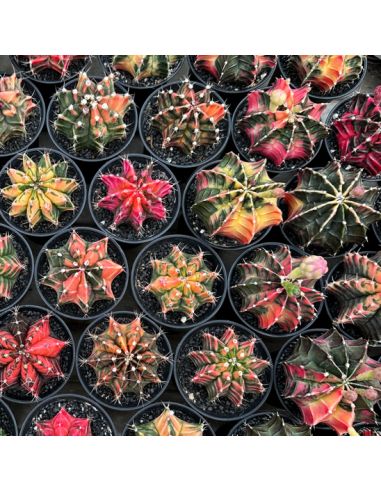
(182, 282)
(167, 424)
(279, 289)
(370, 431)
(241, 70)
(92, 114)
(325, 72)
(358, 291)
(282, 124)
(29, 355)
(331, 207)
(2, 432)
(237, 199)
(81, 272)
(188, 119)
(333, 381)
(58, 63)
(40, 191)
(15, 108)
(141, 67)
(227, 367)
(64, 424)
(134, 196)
(10, 266)
(125, 358)
(358, 132)
(277, 426)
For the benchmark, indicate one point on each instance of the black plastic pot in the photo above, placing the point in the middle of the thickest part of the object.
(141, 276)
(198, 229)
(258, 419)
(249, 319)
(104, 395)
(178, 159)
(24, 279)
(8, 422)
(43, 228)
(72, 311)
(196, 395)
(125, 233)
(313, 94)
(152, 411)
(59, 330)
(101, 423)
(115, 148)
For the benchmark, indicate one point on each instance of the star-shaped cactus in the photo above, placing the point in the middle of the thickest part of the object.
(237, 199)
(277, 426)
(64, 424)
(81, 272)
(228, 367)
(58, 63)
(141, 67)
(167, 424)
(29, 354)
(10, 266)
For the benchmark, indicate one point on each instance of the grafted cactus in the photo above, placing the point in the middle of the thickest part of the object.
(64, 424)
(141, 67)
(237, 199)
(277, 426)
(58, 63)
(10, 266)
(167, 424)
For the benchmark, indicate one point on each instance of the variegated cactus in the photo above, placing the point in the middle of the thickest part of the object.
(277, 426)
(168, 424)
(58, 63)
(282, 124)
(142, 67)
(10, 266)
(237, 199)
(188, 119)
(279, 289)
(331, 207)
(64, 424)
(228, 367)
(333, 381)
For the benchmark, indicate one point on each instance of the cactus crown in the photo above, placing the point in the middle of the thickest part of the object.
(167, 424)
(331, 207)
(15, 108)
(237, 199)
(227, 367)
(64, 424)
(91, 115)
(29, 355)
(282, 124)
(277, 426)
(58, 63)
(358, 132)
(333, 381)
(81, 272)
(188, 119)
(279, 289)
(134, 196)
(325, 72)
(10, 266)
(142, 67)
(40, 191)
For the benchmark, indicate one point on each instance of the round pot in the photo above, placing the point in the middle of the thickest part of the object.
(125, 233)
(258, 419)
(152, 411)
(60, 331)
(44, 228)
(249, 319)
(177, 159)
(8, 422)
(196, 395)
(72, 311)
(141, 275)
(104, 395)
(80, 406)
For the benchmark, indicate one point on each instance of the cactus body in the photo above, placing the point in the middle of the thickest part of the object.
(141, 67)
(64, 424)
(10, 266)
(277, 426)
(58, 63)
(167, 424)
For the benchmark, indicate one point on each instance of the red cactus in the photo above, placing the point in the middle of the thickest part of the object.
(57, 63)
(64, 424)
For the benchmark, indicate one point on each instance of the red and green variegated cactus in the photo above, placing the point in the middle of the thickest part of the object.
(167, 424)
(91, 115)
(29, 354)
(10, 266)
(81, 272)
(358, 291)
(142, 67)
(325, 72)
(282, 124)
(58, 63)
(125, 358)
(228, 367)
(277, 426)
(188, 119)
(358, 132)
(134, 196)
(279, 289)
(40, 190)
(15, 108)
(331, 207)
(333, 381)
(368, 431)
(64, 424)
(237, 199)
(241, 70)
(182, 282)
